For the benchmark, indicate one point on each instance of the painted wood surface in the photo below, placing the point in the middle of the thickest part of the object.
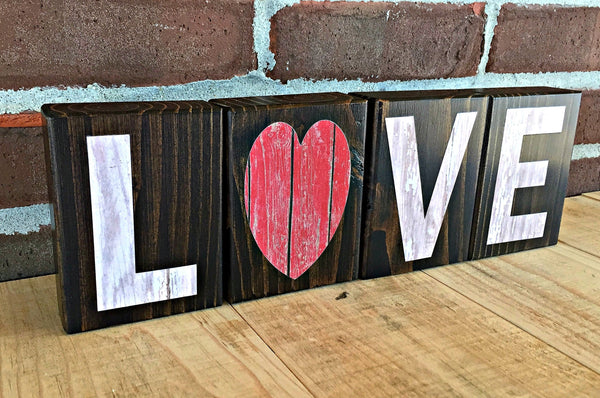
(295, 193)
(111, 197)
(513, 174)
(421, 179)
(176, 163)
(523, 187)
(250, 273)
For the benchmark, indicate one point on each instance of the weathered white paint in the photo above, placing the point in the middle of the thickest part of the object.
(512, 174)
(419, 230)
(117, 283)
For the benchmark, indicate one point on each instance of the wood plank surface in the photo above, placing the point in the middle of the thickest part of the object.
(409, 335)
(580, 227)
(204, 353)
(553, 294)
(593, 195)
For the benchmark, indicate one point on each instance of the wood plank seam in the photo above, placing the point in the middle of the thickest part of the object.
(578, 248)
(426, 272)
(587, 195)
(271, 348)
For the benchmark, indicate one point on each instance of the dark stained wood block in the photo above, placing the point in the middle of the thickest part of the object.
(294, 171)
(436, 228)
(520, 202)
(176, 190)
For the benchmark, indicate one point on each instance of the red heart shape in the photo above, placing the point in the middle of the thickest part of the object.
(295, 194)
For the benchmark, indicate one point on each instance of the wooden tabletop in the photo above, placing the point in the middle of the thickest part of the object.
(525, 324)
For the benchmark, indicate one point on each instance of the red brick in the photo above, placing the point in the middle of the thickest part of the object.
(134, 42)
(23, 256)
(545, 39)
(376, 41)
(22, 167)
(25, 119)
(588, 123)
(584, 176)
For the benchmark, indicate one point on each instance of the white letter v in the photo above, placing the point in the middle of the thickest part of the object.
(420, 231)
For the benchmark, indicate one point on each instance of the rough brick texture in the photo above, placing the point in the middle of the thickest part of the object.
(584, 176)
(134, 42)
(545, 39)
(376, 41)
(22, 167)
(22, 256)
(588, 123)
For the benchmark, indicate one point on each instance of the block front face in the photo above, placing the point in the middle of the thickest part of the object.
(421, 180)
(294, 192)
(134, 187)
(526, 168)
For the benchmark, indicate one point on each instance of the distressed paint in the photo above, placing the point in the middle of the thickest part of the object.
(117, 283)
(420, 229)
(505, 227)
(295, 193)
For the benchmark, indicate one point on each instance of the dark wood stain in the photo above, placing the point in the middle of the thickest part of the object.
(434, 113)
(556, 148)
(248, 273)
(177, 188)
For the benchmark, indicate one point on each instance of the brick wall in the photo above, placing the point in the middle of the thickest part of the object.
(85, 50)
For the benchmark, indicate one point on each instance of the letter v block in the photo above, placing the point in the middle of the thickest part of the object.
(524, 179)
(421, 179)
(137, 196)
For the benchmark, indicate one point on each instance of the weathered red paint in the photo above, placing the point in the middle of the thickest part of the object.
(295, 193)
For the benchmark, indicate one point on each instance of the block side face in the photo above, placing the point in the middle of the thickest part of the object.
(547, 197)
(177, 192)
(251, 275)
(382, 244)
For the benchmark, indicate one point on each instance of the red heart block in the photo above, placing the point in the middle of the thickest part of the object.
(295, 193)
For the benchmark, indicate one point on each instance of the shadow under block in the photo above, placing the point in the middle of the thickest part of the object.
(410, 152)
(524, 174)
(294, 171)
(171, 165)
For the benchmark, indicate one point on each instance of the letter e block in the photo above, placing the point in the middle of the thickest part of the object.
(525, 173)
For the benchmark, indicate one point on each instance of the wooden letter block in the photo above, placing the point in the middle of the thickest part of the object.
(526, 166)
(294, 192)
(420, 179)
(137, 196)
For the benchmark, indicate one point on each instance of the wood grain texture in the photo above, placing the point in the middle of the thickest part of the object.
(548, 198)
(580, 227)
(593, 195)
(295, 193)
(176, 171)
(249, 273)
(111, 196)
(201, 354)
(434, 116)
(409, 335)
(551, 293)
